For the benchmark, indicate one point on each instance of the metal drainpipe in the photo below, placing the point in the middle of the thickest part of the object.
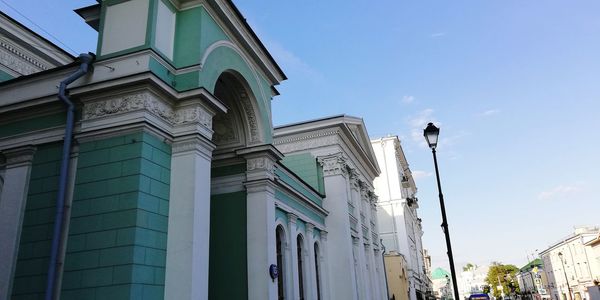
(86, 60)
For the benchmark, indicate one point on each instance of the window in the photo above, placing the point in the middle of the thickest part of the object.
(279, 240)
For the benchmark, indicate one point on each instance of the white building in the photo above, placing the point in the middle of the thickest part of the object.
(472, 281)
(341, 146)
(569, 264)
(400, 225)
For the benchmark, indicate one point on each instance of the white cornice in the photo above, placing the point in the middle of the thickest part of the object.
(55, 56)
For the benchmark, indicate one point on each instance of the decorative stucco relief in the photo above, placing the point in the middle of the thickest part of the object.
(250, 116)
(224, 129)
(17, 61)
(260, 163)
(291, 145)
(335, 164)
(150, 103)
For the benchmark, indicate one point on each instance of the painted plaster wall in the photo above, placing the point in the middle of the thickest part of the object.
(228, 252)
(5, 76)
(36, 234)
(306, 167)
(196, 33)
(27, 125)
(117, 239)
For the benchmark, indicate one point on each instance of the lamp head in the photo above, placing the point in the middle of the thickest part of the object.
(431, 134)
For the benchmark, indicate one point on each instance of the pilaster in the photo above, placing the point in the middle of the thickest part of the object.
(312, 276)
(325, 293)
(260, 188)
(186, 275)
(336, 177)
(13, 198)
(292, 219)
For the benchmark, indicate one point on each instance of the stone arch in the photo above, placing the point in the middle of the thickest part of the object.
(225, 57)
(240, 126)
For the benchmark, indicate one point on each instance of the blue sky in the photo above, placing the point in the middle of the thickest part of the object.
(512, 84)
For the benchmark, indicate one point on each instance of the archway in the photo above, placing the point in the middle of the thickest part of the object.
(234, 130)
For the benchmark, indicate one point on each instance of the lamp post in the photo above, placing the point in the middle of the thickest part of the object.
(431, 134)
(560, 256)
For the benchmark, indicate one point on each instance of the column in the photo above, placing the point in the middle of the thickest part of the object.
(341, 262)
(312, 274)
(186, 275)
(13, 199)
(292, 219)
(324, 267)
(363, 278)
(260, 188)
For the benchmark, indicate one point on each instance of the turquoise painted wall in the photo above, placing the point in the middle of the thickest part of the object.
(316, 218)
(23, 126)
(36, 235)
(5, 76)
(228, 252)
(195, 31)
(118, 233)
(306, 167)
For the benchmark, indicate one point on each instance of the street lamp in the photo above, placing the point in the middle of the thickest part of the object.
(560, 256)
(431, 134)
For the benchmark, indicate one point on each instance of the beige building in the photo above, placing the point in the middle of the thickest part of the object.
(397, 275)
(571, 265)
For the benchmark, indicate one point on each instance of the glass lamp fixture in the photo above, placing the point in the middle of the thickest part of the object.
(431, 134)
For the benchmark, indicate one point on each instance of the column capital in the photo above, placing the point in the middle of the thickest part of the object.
(354, 179)
(334, 164)
(292, 218)
(310, 227)
(323, 236)
(260, 161)
(17, 157)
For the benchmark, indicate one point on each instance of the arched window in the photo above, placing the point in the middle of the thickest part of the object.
(279, 240)
(318, 276)
(299, 243)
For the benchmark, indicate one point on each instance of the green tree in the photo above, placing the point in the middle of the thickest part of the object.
(502, 275)
(469, 267)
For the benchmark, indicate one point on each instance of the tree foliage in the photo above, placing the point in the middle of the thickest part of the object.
(504, 275)
(469, 267)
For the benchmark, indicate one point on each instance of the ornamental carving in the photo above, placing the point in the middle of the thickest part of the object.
(224, 129)
(307, 142)
(17, 61)
(334, 164)
(260, 163)
(149, 103)
(250, 116)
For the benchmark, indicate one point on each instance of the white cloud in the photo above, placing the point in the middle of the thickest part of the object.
(418, 174)
(489, 112)
(408, 99)
(560, 191)
(417, 123)
(437, 34)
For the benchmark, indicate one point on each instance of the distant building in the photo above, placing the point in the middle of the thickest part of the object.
(442, 284)
(397, 275)
(399, 223)
(570, 263)
(533, 280)
(472, 281)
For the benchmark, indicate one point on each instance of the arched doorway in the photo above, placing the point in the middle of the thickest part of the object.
(233, 130)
